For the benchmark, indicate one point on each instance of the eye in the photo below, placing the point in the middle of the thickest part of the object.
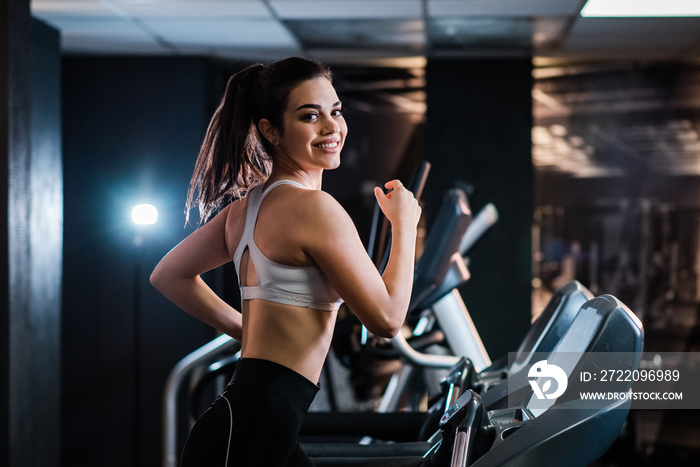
(310, 116)
(338, 112)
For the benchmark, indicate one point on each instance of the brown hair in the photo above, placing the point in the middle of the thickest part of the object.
(234, 155)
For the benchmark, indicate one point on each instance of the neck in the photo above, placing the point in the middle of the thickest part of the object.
(312, 180)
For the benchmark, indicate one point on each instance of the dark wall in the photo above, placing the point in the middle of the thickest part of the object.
(132, 130)
(31, 212)
(478, 136)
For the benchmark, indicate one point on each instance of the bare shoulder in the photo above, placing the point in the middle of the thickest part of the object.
(306, 214)
(320, 209)
(294, 222)
(302, 204)
(325, 224)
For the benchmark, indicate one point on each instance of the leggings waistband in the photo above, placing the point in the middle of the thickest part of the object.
(263, 375)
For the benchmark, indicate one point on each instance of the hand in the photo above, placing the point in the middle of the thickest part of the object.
(399, 205)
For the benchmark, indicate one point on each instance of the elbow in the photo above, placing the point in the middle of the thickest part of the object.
(387, 333)
(387, 328)
(380, 320)
(156, 278)
(153, 279)
(394, 330)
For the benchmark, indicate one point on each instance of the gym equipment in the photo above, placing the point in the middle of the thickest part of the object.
(461, 335)
(438, 271)
(541, 338)
(176, 379)
(482, 431)
(544, 334)
(567, 430)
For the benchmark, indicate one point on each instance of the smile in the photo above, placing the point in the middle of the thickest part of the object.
(327, 145)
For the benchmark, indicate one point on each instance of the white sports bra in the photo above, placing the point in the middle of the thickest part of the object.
(303, 286)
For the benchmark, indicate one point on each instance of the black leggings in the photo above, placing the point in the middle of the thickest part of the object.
(255, 421)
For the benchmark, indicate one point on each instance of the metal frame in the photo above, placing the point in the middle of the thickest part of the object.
(174, 383)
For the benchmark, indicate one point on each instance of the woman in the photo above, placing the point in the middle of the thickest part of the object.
(296, 252)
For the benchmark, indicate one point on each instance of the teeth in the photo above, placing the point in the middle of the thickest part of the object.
(328, 145)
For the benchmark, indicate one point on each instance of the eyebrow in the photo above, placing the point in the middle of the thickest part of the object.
(315, 106)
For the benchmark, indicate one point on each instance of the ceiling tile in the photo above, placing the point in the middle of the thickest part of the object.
(363, 34)
(357, 9)
(507, 8)
(169, 3)
(110, 37)
(71, 10)
(206, 9)
(479, 34)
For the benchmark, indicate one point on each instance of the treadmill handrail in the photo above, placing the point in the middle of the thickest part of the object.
(486, 218)
(172, 387)
(422, 359)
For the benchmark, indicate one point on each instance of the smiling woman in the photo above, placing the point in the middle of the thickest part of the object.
(315, 129)
(296, 252)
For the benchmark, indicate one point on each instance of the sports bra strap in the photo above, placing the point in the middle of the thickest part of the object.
(255, 200)
(281, 182)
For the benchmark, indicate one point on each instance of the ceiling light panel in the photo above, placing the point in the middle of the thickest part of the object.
(639, 8)
(344, 9)
(501, 8)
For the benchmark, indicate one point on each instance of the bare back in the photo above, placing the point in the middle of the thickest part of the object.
(296, 337)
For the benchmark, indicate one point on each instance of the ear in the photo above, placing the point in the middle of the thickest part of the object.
(268, 131)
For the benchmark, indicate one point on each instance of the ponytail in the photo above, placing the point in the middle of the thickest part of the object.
(232, 158)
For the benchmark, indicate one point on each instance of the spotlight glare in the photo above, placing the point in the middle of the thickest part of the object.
(144, 214)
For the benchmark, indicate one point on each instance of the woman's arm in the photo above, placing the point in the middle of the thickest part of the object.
(177, 276)
(379, 302)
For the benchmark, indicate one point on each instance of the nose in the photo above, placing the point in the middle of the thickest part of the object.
(330, 126)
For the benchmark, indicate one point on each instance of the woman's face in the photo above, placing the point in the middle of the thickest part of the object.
(314, 127)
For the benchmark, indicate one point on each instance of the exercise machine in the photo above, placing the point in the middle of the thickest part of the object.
(490, 430)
